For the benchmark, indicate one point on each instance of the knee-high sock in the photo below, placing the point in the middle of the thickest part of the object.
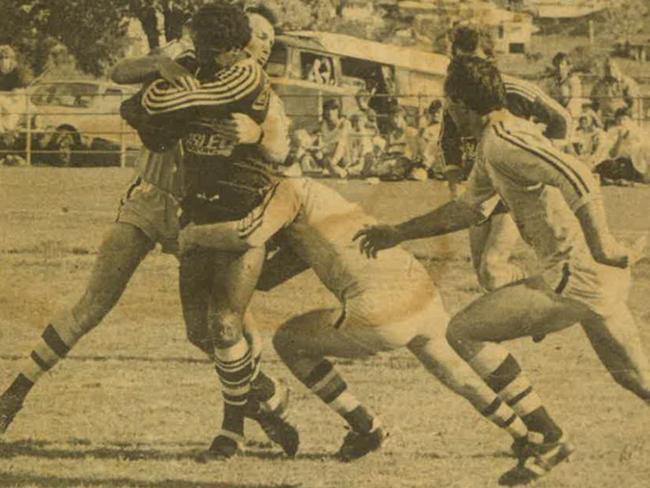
(56, 341)
(234, 366)
(502, 373)
(326, 383)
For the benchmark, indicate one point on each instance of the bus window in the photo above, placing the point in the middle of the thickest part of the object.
(277, 64)
(359, 73)
(317, 68)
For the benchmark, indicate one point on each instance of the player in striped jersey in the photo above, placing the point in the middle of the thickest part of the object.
(386, 304)
(492, 241)
(148, 214)
(222, 182)
(557, 206)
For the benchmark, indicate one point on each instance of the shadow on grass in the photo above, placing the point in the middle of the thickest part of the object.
(82, 449)
(44, 450)
(32, 480)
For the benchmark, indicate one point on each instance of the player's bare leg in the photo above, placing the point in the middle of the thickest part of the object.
(235, 278)
(303, 343)
(491, 245)
(527, 308)
(617, 343)
(439, 359)
(122, 250)
(268, 401)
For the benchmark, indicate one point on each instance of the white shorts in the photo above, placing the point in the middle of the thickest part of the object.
(379, 323)
(601, 288)
(153, 211)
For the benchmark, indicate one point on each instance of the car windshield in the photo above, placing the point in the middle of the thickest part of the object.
(65, 94)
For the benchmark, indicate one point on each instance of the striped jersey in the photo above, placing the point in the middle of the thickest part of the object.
(541, 186)
(217, 173)
(525, 100)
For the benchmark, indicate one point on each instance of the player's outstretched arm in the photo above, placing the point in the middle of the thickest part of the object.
(140, 70)
(450, 217)
(281, 267)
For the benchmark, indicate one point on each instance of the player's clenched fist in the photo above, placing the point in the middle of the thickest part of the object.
(374, 238)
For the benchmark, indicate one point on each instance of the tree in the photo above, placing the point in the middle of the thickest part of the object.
(93, 31)
(622, 19)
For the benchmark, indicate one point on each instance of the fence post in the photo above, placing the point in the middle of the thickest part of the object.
(122, 138)
(28, 132)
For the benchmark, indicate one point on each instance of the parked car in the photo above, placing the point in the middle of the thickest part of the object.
(83, 117)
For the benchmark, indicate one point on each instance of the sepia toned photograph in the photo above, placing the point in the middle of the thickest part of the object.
(324, 243)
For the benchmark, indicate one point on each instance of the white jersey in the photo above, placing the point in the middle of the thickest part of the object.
(542, 187)
(321, 234)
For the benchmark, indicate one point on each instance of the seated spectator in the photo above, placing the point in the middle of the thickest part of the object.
(628, 157)
(614, 91)
(330, 148)
(12, 75)
(400, 159)
(587, 137)
(429, 135)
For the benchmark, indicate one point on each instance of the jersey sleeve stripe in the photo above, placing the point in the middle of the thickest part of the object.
(572, 176)
(204, 100)
(160, 91)
(237, 85)
(558, 156)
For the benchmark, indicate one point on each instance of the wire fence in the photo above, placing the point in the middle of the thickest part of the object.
(65, 128)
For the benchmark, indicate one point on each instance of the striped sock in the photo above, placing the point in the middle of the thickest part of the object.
(505, 418)
(503, 375)
(234, 367)
(329, 386)
(58, 338)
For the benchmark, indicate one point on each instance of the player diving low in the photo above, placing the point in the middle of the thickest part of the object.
(386, 304)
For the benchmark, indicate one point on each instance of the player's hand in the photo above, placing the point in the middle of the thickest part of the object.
(177, 76)
(240, 129)
(619, 256)
(374, 238)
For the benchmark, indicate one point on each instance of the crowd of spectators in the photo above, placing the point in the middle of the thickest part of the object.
(353, 146)
(402, 142)
(608, 136)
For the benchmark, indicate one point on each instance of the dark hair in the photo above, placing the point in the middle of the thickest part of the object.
(559, 57)
(263, 9)
(468, 38)
(331, 104)
(622, 112)
(220, 26)
(464, 38)
(434, 106)
(477, 83)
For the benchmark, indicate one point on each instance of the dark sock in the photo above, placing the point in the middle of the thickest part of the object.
(359, 419)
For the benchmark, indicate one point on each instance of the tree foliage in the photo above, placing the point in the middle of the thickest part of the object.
(93, 31)
(624, 19)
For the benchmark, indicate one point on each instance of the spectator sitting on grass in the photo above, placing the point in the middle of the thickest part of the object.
(628, 156)
(587, 137)
(333, 140)
(401, 156)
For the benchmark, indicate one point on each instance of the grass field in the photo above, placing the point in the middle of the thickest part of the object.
(134, 403)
